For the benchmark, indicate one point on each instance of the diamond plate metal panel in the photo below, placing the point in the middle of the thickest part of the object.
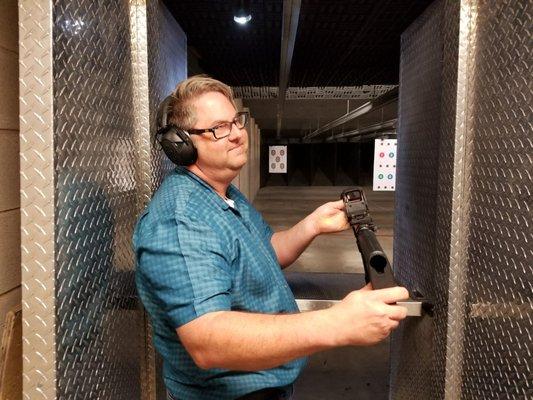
(87, 169)
(497, 360)
(479, 341)
(454, 167)
(167, 55)
(98, 324)
(139, 48)
(37, 199)
(414, 364)
(167, 65)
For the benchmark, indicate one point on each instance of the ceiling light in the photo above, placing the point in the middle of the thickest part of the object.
(242, 13)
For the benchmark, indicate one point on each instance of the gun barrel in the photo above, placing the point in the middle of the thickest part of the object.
(377, 266)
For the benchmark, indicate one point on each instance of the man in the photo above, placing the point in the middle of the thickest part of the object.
(224, 318)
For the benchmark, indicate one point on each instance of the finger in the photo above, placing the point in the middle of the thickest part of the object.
(366, 288)
(391, 295)
(339, 204)
(396, 313)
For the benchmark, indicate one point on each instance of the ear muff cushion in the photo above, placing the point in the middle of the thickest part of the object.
(176, 143)
(178, 147)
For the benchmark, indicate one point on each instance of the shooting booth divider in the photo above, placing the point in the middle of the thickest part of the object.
(91, 77)
(463, 232)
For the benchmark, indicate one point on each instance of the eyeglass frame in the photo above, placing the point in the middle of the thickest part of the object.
(213, 129)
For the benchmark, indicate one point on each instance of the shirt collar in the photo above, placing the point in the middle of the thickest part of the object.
(219, 200)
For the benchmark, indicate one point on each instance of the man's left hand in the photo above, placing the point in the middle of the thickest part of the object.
(329, 218)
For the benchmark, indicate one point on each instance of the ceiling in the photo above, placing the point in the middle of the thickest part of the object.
(337, 43)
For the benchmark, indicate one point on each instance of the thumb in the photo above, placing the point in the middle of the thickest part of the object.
(366, 288)
(339, 204)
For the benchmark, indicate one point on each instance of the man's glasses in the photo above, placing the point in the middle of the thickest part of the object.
(223, 129)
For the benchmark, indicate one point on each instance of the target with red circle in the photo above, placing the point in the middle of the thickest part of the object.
(385, 164)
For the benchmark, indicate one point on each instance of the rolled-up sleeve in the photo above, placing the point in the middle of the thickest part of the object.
(186, 269)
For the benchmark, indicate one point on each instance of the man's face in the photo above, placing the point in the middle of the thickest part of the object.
(229, 153)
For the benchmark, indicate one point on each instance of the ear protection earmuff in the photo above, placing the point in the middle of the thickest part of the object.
(175, 142)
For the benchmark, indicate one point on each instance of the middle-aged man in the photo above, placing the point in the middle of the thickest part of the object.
(209, 270)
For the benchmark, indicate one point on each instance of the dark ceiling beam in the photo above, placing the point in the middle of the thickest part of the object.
(377, 103)
(388, 126)
(386, 134)
(291, 15)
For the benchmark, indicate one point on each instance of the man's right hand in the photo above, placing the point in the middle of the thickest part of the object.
(365, 317)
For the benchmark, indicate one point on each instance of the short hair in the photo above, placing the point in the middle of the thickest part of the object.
(183, 114)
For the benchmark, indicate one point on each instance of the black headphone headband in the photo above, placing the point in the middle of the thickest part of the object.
(175, 142)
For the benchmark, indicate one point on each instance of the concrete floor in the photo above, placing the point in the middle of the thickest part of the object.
(348, 373)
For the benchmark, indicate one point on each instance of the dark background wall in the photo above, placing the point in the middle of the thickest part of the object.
(322, 164)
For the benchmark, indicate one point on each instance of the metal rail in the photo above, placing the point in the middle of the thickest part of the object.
(381, 101)
(386, 126)
(414, 308)
(291, 15)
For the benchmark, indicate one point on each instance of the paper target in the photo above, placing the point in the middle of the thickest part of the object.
(277, 159)
(384, 164)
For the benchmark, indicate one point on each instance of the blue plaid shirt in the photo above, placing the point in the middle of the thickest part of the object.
(195, 255)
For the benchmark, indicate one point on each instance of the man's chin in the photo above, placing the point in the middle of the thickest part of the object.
(236, 163)
(237, 166)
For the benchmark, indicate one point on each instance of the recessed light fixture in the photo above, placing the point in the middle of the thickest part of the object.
(242, 13)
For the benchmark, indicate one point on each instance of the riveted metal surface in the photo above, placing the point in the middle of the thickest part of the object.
(414, 364)
(167, 55)
(497, 360)
(98, 323)
(37, 199)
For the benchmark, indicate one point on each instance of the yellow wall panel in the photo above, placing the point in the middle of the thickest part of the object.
(9, 250)
(8, 301)
(9, 107)
(9, 170)
(8, 25)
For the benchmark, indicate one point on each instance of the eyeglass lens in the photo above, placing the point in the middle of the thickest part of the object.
(224, 130)
(240, 120)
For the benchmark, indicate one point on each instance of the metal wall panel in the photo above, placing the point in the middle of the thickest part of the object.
(478, 344)
(497, 360)
(453, 202)
(36, 200)
(167, 66)
(415, 367)
(87, 169)
(98, 324)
